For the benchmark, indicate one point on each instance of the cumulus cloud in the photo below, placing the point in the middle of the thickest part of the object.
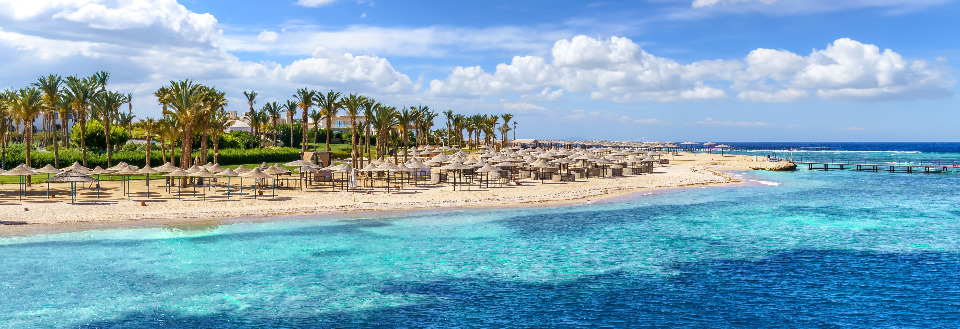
(145, 44)
(710, 3)
(314, 3)
(267, 36)
(712, 122)
(620, 70)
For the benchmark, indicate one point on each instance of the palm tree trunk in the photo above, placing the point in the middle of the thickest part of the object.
(216, 148)
(83, 139)
(329, 124)
(106, 133)
(147, 162)
(186, 146)
(203, 146)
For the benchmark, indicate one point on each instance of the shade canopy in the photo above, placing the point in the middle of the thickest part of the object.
(71, 175)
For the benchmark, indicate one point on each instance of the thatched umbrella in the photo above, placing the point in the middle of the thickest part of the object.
(228, 173)
(21, 171)
(48, 169)
(203, 174)
(72, 176)
(255, 174)
(486, 170)
(457, 168)
(97, 171)
(125, 174)
(722, 147)
(301, 164)
(541, 165)
(178, 173)
(78, 168)
(275, 170)
(146, 170)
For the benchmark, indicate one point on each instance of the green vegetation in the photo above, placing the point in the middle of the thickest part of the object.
(192, 128)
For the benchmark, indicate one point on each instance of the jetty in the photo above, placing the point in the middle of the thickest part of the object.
(888, 167)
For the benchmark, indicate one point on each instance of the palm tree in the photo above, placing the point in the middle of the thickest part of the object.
(370, 106)
(149, 127)
(384, 119)
(449, 115)
(291, 107)
(213, 101)
(304, 99)
(426, 123)
(50, 87)
(315, 115)
(505, 127)
(272, 110)
(459, 122)
(185, 103)
(251, 99)
(165, 131)
(353, 104)
(404, 117)
(107, 105)
(329, 105)
(82, 93)
(25, 104)
(219, 122)
(4, 127)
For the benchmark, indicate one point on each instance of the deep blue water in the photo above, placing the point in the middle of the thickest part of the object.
(797, 249)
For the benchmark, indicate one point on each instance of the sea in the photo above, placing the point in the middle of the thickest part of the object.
(783, 249)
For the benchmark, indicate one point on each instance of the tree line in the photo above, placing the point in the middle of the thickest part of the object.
(192, 110)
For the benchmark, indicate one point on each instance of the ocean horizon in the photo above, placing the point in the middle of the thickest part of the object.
(784, 249)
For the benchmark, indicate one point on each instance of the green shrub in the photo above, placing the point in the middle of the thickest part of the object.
(95, 136)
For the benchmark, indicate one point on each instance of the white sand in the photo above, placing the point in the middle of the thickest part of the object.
(36, 213)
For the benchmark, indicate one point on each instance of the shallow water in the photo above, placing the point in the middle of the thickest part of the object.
(791, 249)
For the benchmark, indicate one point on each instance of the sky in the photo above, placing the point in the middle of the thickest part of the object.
(678, 70)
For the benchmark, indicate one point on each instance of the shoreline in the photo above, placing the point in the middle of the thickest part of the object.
(685, 171)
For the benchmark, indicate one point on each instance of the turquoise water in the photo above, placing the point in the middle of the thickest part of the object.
(789, 249)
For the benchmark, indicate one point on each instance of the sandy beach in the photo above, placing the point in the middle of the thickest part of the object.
(36, 214)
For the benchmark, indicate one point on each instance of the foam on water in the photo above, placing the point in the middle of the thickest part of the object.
(794, 249)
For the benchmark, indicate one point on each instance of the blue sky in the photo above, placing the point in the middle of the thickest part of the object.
(730, 70)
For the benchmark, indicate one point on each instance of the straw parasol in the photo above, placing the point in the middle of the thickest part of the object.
(178, 173)
(275, 171)
(125, 173)
(72, 176)
(21, 171)
(146, 170)
(203, 173)
(228, 173)
(48, 169)
(78, 168)
(255, 174)
(97, 171)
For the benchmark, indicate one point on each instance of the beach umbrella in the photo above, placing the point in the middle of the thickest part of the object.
(146, 170)
(486, 170)
(541, 165)
(255, 174)
(178, 173)
(48, 169)
(72, 176)
(193, 169)
(301, 164)
(722, 147)
(457, 168)
(228, 173)
(97, 171)
(21, 171)
(275, 171)
(214, 167)
(203, 174)
(120, 166)
(241, 170)
(125, 174)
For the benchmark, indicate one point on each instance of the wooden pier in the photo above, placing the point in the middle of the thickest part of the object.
(894, 168)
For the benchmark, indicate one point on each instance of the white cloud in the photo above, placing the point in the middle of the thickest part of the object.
(854, 128)
(801, 7)
(712, 122)
(618, 69)
(267, 36)
(314, 3)
(432, 41)
(710, 3)
(779, 96)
